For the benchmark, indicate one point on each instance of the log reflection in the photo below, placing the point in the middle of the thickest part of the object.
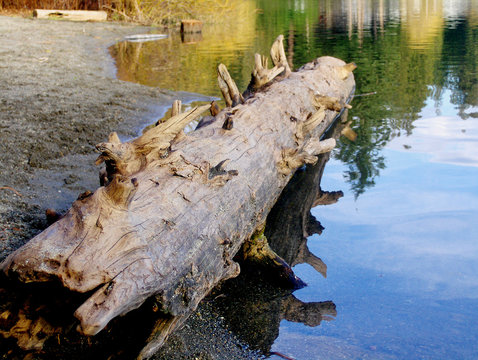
(252, 304)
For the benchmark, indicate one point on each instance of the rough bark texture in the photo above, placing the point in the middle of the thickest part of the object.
(176, 208)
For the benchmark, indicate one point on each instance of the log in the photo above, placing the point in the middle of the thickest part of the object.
(73, 15)
(175, 208)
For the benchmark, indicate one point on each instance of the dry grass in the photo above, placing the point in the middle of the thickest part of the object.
(161, 12)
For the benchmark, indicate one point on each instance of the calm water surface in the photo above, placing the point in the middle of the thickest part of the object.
(401, 245)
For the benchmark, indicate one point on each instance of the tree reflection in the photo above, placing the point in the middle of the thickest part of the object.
(407, 53)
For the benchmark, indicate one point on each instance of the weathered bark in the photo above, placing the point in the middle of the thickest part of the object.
(73, 15)
(252, 304)
(176, 208)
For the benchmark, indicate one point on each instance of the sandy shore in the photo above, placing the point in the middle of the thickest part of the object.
(58, 99)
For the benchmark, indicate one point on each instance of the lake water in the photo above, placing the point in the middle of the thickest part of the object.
(401, 244)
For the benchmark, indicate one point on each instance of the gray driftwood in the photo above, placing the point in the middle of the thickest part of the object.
(176, 208)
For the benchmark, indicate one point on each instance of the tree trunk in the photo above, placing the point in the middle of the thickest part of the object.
(177, 207)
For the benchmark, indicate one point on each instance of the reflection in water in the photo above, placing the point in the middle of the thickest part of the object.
(189, 63)
(254, 306)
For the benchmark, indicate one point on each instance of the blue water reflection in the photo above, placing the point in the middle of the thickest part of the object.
(402, 266)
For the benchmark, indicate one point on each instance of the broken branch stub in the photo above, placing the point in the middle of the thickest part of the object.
(228, 87)
(278, 55)
(177, 210)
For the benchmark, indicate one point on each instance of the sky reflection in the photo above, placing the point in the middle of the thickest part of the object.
(439, 132)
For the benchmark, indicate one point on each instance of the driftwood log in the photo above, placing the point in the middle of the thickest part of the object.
(72, 15)
(175, 208)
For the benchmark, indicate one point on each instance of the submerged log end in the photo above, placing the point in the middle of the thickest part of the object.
(126, 292)
(162, 329)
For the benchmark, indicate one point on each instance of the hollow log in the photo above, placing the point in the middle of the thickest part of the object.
(175, 208)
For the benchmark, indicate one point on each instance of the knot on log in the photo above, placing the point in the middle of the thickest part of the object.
(218, 176)
(228, 123)
(119, 159)
(120, 190)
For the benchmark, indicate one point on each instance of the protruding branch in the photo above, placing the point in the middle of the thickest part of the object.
(344, 71)
(119, 159)
(228, 87)
(278, 55)
(214, 108)
(312, 121)
(257, 251)
(176, 108)
(310, 314)
(305, 256)
(161, 136)
(349, 133)
(315, 146)
(261, 75)
(114, 138)
(330, 103)
(327, 197)
(292, 159)
(51, 216)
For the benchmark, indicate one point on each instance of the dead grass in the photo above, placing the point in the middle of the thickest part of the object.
(162, 12)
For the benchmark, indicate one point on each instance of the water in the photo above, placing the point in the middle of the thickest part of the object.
(401, 245)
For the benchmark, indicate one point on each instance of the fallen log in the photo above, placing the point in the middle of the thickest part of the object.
(73, 15)
(177, 207)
